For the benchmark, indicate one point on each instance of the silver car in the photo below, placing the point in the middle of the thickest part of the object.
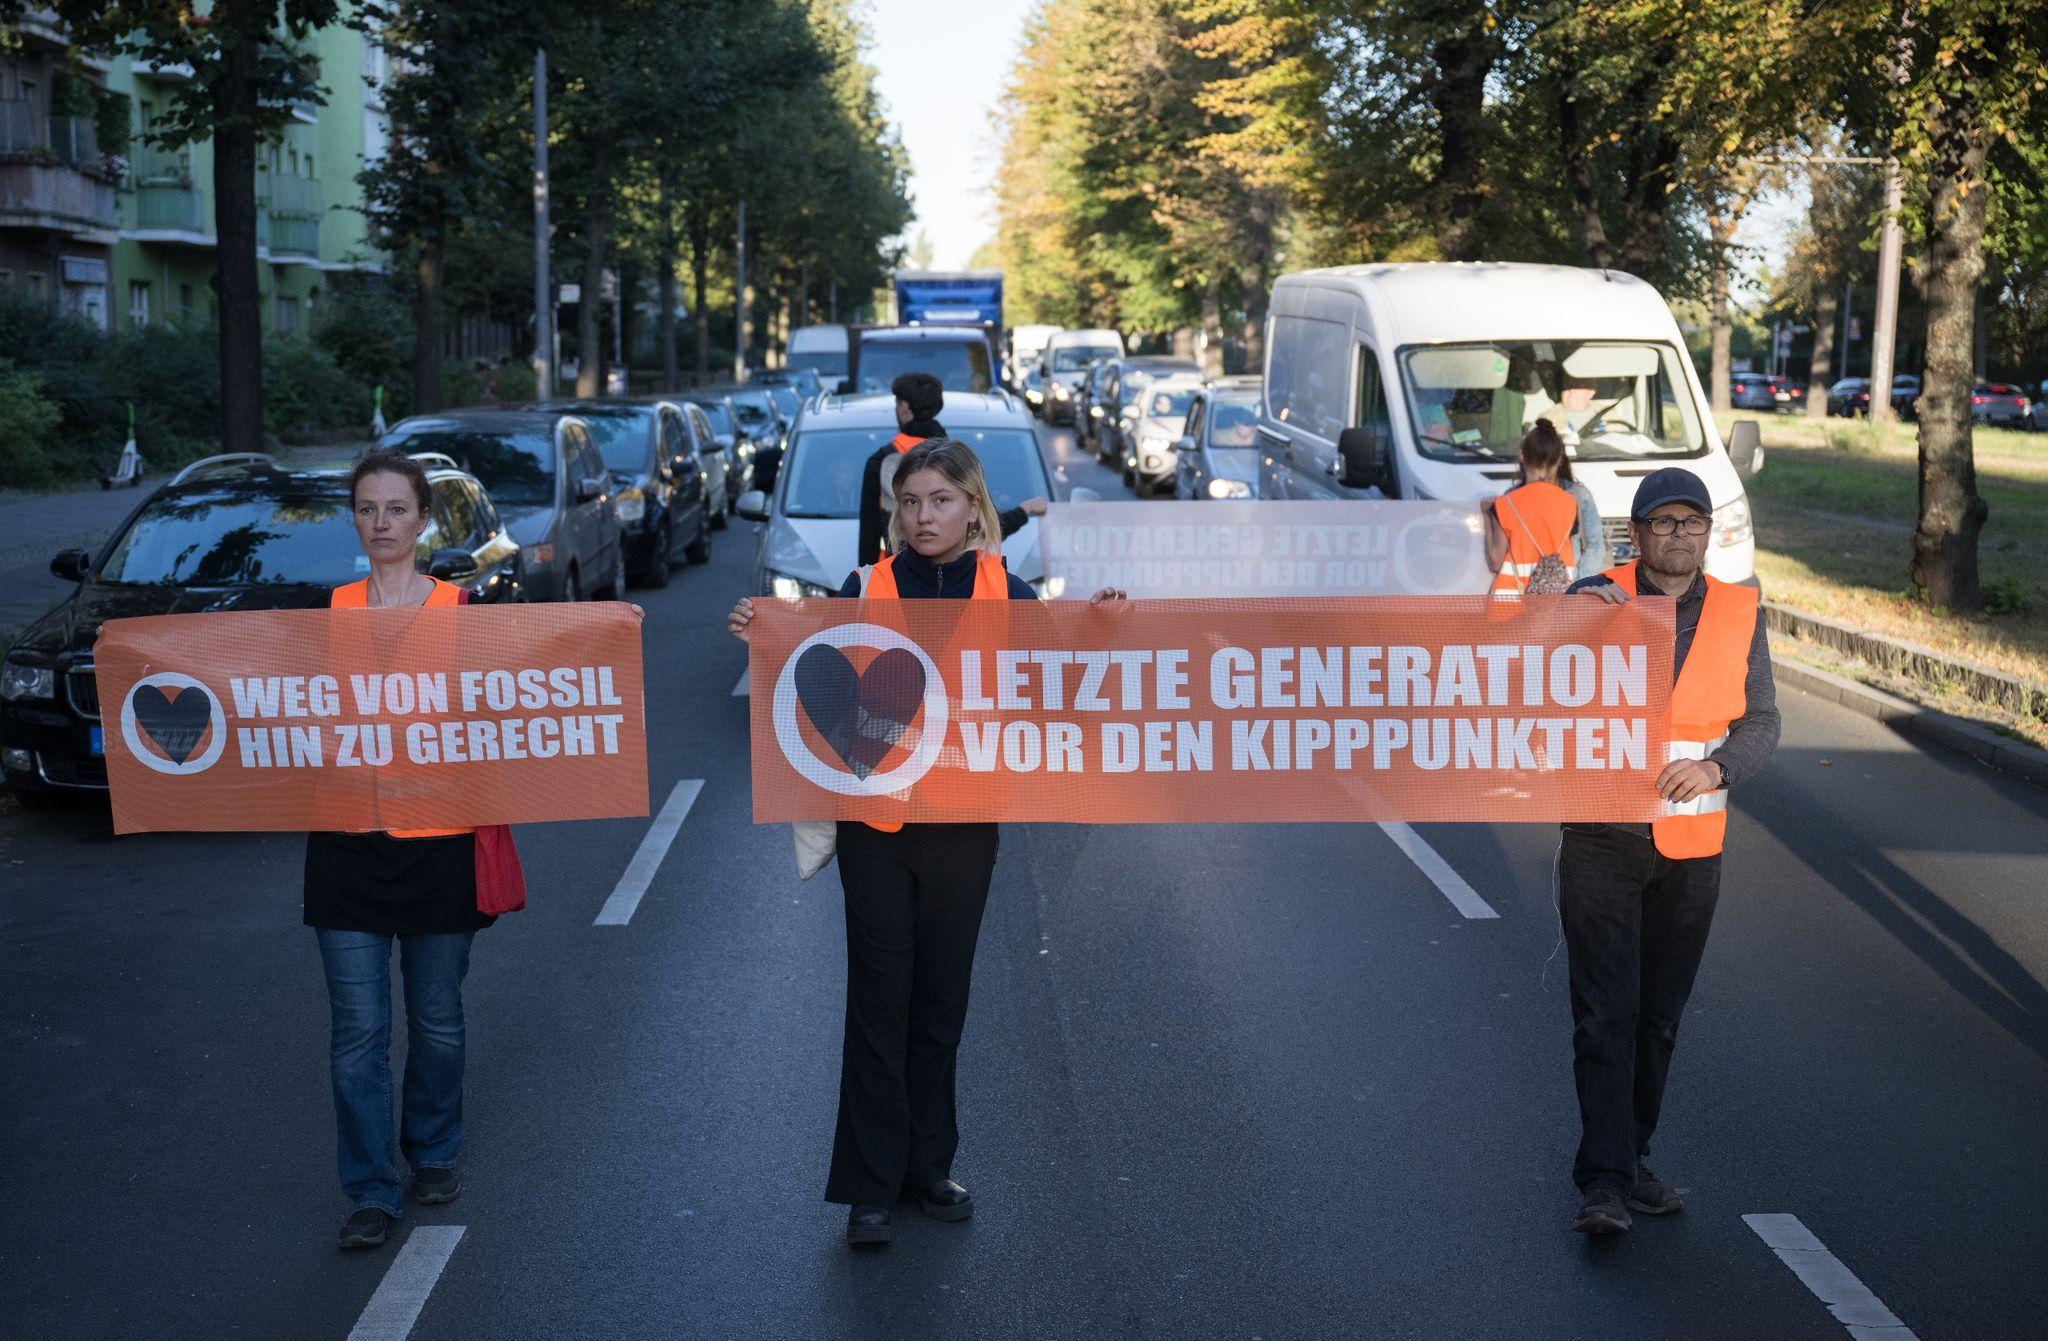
(1217, 456)
(812, 521)
(1151, 435)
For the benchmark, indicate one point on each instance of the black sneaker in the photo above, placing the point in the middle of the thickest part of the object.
(1652, 1195)
(367, 1228)
(434, 1186)
(1602, 1213)
(868, 1224)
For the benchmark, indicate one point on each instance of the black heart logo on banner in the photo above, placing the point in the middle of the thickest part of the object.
(861, 715)
(175, 724)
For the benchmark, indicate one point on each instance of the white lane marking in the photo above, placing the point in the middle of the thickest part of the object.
(1820, 1271)
(396, 1306)
(1462, 896)
(741, 690)
(618, 909)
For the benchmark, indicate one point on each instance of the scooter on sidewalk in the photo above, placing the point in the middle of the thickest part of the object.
(128, 470)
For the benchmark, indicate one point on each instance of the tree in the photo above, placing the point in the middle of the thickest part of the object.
(248, 66)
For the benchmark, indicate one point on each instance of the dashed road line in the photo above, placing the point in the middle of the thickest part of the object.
(401, 1295)
(1820, 1271)
(618, 909)
(1452, 885)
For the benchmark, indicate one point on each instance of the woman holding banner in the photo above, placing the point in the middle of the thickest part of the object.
(914, 893)
(417, 887)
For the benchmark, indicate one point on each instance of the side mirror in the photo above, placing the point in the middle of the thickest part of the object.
(1083, 494)
(753, 505)
(452, 565)
(1362, 457)
(1745, 447)
(589, 489)
(72, 565)
(1183, 444)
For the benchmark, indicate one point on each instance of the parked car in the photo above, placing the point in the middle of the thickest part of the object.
(1217, 455)
(813, 517)
(1067, 358)
(732, 475)
(1152, 436)
(1419, 380)
(2037, 417)
(1121, 388)
(1764, 391)
(788, 400)
(1032, 386)
(1849, 398)
(550, 485)
(240, 532)
(957, 355)
(1905, 395)
(2000, 403)
(805, 382)
(659, 486)
(760, 416)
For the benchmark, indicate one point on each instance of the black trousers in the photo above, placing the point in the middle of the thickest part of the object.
(1635, 924)
(914, 901)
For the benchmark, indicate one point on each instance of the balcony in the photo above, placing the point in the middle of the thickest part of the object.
(50, 175)
(292, 207)
(295, 196)
(169, 207)
(292, 238)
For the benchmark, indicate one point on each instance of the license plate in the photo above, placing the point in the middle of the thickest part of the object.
(99, 742)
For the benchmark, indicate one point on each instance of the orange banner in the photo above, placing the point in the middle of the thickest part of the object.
(442, 717)
(1213, 711)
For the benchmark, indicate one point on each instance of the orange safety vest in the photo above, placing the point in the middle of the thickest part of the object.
(1710, 694)
(356, 596)
(991, 583)
(1547, 510)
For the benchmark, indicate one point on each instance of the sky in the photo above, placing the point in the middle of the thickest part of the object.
(942, 65)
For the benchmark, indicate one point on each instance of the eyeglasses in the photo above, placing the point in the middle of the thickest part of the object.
(1669, 525)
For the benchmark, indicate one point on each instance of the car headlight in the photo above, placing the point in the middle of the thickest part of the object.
(632, 503)
(19, 680)
(1220, 488)
(1731, 522)
(1059, 390)
(787, 588)
(1152, 442)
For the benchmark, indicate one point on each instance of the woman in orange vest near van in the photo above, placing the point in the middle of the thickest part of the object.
(1636, 900)
(415, 886)
(914, 892)
(1535, 520)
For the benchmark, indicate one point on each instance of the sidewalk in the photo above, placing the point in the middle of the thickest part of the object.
(33, 527)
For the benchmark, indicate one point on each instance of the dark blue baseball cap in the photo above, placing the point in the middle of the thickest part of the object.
(1673, 484)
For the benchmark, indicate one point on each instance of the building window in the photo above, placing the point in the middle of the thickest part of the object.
(287, 315)
(138, 302)
(37, 283)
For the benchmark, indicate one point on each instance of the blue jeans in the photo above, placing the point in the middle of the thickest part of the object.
(358, 967)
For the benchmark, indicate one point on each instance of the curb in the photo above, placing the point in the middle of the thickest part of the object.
(1929, 724)
(1911, 660)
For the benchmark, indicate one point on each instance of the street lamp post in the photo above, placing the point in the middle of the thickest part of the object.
(543, 284)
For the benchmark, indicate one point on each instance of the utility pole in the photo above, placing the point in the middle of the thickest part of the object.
(1848, 319)
(543, 281)
(739, 298)
(1889, 244)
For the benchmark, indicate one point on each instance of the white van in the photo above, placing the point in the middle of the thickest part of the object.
(821, 348)
(1027, 343)
(1419, 380)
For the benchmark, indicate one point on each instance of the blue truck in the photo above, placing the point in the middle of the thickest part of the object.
(950, 298)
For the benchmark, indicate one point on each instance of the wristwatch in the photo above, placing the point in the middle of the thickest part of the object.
(1721, 769)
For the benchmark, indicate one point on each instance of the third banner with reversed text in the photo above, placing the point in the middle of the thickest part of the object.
(1212, 711)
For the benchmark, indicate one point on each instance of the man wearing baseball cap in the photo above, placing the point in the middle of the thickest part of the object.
(1636, 900)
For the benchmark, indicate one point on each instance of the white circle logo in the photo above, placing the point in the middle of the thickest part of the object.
(931, 735)
(173, 726)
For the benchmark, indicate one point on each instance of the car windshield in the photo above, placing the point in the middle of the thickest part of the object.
(829, 363)
(516, 469)
(1610, 400)
(1073, 358)
(825, 467)
(621, 439)
(960, 365)
(1164, 403)
(786, 398)
(714, 410)
(1233, 423)
(231, 540)
(753, 411)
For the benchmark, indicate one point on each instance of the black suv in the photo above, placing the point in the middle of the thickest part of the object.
(229, 533)
(646, 446)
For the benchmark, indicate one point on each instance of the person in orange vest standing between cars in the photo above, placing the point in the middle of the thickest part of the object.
(914, 892)
(1636, 900)
(920, 397)
(1529, 528)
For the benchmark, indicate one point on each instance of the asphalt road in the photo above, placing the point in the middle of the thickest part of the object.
(1218, 1081)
